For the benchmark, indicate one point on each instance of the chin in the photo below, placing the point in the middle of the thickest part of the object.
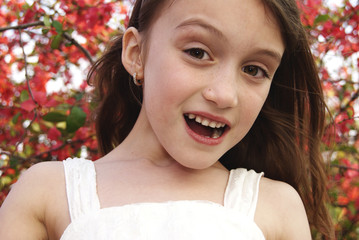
(197, 165)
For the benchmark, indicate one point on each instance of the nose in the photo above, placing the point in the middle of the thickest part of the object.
(223, 90)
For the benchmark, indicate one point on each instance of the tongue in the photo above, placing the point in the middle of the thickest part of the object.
(199, 128)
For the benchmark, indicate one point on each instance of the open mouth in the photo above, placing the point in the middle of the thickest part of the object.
(205, 127)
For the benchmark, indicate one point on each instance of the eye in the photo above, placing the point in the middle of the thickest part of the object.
(197, 53)
(255, 71)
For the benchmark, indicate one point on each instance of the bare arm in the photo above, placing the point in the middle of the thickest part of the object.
(294, 218)
(23, 212)
(281, 212)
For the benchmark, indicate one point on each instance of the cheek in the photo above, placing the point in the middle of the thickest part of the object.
(161, 86)
(254, 97)
(251, 103)
(162, 91)
(166, 80)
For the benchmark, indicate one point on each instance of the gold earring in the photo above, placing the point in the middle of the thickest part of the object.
(137, 82)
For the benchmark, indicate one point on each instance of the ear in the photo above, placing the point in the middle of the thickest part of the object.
(131, 52)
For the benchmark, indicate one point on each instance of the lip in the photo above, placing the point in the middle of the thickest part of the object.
(205, 140)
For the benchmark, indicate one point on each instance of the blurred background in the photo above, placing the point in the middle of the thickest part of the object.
(47, 47)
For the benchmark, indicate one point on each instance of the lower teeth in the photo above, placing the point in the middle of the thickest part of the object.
(216, 133)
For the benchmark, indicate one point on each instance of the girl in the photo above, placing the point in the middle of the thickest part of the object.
(217, 87)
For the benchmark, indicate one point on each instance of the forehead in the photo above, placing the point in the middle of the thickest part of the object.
(232, 18)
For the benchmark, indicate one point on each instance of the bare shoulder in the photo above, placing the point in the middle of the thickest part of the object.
(280, 211)
(22, 214)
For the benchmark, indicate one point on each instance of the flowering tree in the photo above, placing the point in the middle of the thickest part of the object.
(334, 31)
(42, 44)
(45, 108)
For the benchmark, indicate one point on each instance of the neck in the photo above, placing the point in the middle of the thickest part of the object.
(142, 143)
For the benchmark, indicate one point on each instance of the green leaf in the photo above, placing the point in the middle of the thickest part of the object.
(58, 26)
(75, 120)
(45, 30)
(56, 41)
(35, 127)
(78, 96)
(24, 95)
(4, 181)
(28, 150)
(15, 118)
(55, 117)
(350, 112)
(14, 161)
(321, 18)
(352, 208)
(63, 106)
(61, 125)
(47, 21)
(26, 6)
(69, 31)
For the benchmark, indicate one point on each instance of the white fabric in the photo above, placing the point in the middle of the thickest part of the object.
(81, 188)
(174, 220)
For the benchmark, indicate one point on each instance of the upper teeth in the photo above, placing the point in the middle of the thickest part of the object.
(206, 122)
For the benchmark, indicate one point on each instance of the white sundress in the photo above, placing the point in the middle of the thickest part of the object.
(173, 220)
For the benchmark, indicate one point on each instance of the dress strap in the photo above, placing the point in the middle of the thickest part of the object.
(242, 191)
(81, 189)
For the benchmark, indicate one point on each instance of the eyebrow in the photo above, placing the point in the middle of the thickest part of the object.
(276, 56)
(206, 26)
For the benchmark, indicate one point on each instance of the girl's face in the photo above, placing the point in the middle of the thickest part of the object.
(207, 72)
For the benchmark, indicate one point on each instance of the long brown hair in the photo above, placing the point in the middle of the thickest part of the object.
(285, 138)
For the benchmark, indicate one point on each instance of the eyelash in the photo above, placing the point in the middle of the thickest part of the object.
(193, 52)
(257, 69)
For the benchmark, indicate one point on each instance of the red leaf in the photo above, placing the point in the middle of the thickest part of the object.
(353, 193)
(54, 133)
(343, 200)
(28, 105)
(51, 103)
(351, 173)
(40, 97)
(10, 171)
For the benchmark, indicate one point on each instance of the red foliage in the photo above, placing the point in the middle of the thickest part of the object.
(37, 125)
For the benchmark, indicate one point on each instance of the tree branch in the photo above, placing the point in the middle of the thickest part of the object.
(344, 167)
(68, 142)
(29, 89)
(22, 26)
(352, 99)
(335, 81)
(74, 42)
(37, 157)
(347, 119)
(25, 67)
(64, 34)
